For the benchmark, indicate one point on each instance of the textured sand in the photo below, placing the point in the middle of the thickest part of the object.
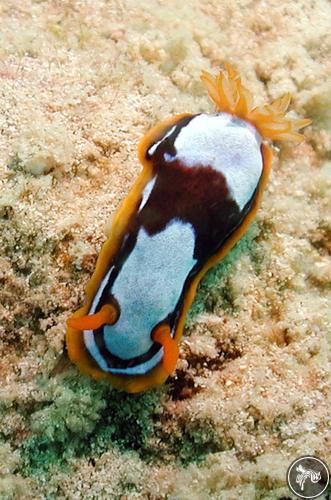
(81, 82)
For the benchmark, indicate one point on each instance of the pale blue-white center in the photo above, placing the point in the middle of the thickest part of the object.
(149, 286)
(227, 144)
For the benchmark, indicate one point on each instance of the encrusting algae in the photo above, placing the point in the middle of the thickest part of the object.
(251, 391)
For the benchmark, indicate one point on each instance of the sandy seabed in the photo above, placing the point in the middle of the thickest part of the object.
(81, 82)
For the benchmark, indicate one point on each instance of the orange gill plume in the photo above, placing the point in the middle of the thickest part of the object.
(230, 96)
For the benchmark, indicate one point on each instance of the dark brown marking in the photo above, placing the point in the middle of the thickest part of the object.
(196, 195)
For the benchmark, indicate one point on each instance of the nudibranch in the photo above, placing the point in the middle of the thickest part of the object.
(202, 180)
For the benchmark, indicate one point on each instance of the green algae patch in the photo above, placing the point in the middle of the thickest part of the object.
(86, 418)
(195, 441)
(79, 417)
(71, 411)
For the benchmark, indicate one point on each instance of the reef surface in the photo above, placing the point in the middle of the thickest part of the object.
(81, 82)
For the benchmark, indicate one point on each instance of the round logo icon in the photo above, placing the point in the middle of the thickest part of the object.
(308, 477)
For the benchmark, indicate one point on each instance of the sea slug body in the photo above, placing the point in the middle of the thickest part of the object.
(201, 184)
